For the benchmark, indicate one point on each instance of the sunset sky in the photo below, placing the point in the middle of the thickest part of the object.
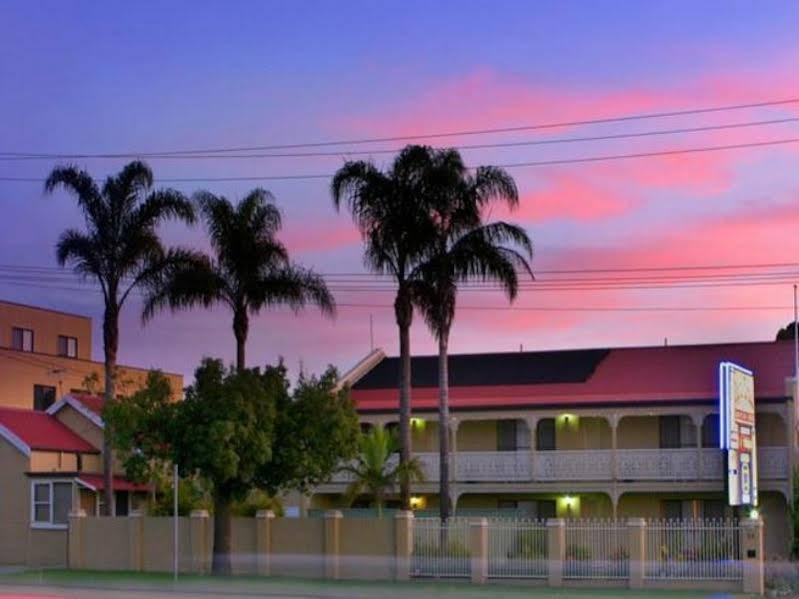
(90, 77)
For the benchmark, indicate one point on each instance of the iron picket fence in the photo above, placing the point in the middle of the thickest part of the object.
(693, 550)
(597, 549)
(441, 550)
(517, 548)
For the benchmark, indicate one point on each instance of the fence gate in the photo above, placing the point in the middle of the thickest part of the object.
(517, 549)
(693, 550)
(597, 549)
(441, 550)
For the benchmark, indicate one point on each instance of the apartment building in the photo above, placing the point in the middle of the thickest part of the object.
(596, 433)
(46, 354)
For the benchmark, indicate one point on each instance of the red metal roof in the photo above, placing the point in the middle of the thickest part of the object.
(120, 483)
(91, 402)
(625, 375)
(39, 430)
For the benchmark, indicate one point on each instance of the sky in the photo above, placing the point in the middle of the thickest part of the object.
(89, 77)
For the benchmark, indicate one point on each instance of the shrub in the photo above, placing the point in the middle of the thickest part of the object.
(578, 552)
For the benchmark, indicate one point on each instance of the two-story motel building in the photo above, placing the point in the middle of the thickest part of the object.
(589, 433)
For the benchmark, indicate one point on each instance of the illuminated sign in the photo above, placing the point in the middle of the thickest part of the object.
(737, 432)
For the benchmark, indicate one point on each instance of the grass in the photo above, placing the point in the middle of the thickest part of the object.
(286, 587)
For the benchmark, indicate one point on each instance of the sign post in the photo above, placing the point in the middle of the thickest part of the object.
(737, 433)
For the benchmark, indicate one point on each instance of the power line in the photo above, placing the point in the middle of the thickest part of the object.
(538, 163)
(341, 153)
(531, 127)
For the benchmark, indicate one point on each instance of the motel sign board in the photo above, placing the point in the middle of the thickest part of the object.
(737, 432)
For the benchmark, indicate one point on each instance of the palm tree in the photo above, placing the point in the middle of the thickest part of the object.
(465, 248)
(119, 248)
(250, 269)
(389, 211)
(374, 471)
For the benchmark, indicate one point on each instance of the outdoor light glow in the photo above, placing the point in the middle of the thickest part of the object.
(567, 420)
(418, 423)
(418, 503)
(754, 514)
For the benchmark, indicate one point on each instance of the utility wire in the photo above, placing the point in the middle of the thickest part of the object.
(531, 127)
(538, 163)
(341, 153)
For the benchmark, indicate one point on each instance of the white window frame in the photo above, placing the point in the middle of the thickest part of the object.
(23, 331)
(49, 525)
(66, 353)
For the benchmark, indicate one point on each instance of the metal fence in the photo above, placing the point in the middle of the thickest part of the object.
(693, 549)
(597, 549)
(517, 548)
(441, 550)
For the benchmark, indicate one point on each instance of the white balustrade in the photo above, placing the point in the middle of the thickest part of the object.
(493, 466)
(658, 464)
(596, 464)
(592, 465)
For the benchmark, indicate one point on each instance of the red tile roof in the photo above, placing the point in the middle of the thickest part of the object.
(641, 375)
(120, 483)
(39, 430)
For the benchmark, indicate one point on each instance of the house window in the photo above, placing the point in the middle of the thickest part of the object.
(67, 346)
(670, 432)
(545, 435)
(713, 509)
(43, 397)
(22, 339)
(672, 509)
(506, 435)
(51, 502)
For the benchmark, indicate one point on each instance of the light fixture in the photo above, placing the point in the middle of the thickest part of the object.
(418, 423)
(754, 514)
(417, 502)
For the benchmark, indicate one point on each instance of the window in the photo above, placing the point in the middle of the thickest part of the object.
(672, 509)
(710, 431)
(51, 502)
(21, 339)
(670, 432)
(713, 509)
(43, 397)
(67, 346)
(506, 435)
(121, 504)
(545, 435)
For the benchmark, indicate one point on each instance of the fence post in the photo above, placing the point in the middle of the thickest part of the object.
(403, 544)
(198, 529)
(263, 542)
(637, 531)
(135, 541)
(556, 550)
(76, 557)
(478, 548)
(332, 531)
(752, 555)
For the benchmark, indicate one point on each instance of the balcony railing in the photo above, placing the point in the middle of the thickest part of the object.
(684, 464)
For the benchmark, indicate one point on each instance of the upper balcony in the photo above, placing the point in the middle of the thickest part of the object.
(572, 448)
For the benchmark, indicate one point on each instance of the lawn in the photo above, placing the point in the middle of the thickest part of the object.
(52, 580)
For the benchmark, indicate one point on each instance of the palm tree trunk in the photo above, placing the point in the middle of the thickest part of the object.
(223, 538)
(241, 325)
(110, 347)
(405, 403)
(443, 426)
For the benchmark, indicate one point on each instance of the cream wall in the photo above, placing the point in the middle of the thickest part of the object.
(477, 435)
(46, 325)
(14, 506)
(582, 432)
(53, 461)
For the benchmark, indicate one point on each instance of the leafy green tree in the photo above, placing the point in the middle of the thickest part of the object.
(238, 431)
(465, 248)
(119, 248)
(389, 211)
(249, 271)
(373, 470)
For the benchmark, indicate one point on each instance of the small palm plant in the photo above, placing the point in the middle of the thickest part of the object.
(375, 472)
